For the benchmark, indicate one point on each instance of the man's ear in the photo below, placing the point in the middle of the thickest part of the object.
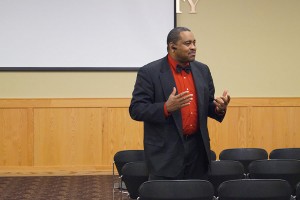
(173, 46)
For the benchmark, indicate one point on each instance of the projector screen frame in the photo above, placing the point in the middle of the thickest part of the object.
(83, 69)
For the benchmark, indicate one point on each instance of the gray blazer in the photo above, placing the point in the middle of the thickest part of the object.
(163, 137)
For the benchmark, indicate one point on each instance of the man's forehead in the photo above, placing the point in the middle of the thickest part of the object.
(186, 36)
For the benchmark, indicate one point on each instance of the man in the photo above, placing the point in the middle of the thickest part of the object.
(173, 96)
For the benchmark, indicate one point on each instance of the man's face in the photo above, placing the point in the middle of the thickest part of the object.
(185, 48)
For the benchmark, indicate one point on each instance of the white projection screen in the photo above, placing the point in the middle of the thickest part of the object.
(82, 35)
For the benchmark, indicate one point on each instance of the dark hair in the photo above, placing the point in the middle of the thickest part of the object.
(174, 34)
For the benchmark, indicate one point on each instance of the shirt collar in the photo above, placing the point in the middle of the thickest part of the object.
(173, 63)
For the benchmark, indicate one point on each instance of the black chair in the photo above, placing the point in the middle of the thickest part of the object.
(224, 170)
(244, 155)
(288, 170)
(120, 159)
(298, 191)
(213, 155)
(285, 153)
(126, 156)
(255, 189)
(176, 190)
(133, 175)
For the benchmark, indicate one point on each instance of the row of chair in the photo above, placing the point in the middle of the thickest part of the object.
(244, 155)
(247, 155)
(225, 169)
(241, 189)
(136, 173)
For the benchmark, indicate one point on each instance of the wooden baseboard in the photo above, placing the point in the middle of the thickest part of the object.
(55, 171)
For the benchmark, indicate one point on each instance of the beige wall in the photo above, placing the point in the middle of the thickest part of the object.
(252, 48)
(66, 84)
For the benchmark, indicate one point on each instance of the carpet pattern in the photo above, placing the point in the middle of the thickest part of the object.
(89, 187)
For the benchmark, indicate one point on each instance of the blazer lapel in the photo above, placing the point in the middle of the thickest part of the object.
(167, 83)
(199, 84)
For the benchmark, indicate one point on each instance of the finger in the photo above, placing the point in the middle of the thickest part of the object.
(186, 101)
(216, 103)
(174, 91)
(225, 93)
(218, 107)
(186, 98)
(228, 99)
(182, 95)
(220, 100)
(185, 104)
(225, 100)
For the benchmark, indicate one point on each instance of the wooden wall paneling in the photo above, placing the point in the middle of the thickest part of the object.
(68, 136)
(120, 133)
(61, 136)
(293, 119)
(276, 127)
(15, 137)
(262, 123)
(232, 132)
(30, 135)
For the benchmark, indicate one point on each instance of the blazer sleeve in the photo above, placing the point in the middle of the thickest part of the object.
(212, 107)
(144, 105)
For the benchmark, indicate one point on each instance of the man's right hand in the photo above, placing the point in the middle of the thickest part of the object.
(178, 101)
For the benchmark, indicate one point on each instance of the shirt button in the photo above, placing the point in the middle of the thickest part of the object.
(184, 77)
(191, 125)
(191, 113)
(187, 89)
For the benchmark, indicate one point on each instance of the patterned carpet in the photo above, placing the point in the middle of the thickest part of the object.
(89, 187)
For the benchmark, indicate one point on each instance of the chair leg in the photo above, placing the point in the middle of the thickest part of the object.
(121, 187)
(116, 183)
(113, 179)
(293, 197)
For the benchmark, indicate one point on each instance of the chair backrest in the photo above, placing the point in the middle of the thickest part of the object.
(298, 191)
(224, 170)
(213, 155)
(176, 190)
(288, 170)
(133, 175)
(285, 153)
(126, 156)
(244, 155)
(246, 189)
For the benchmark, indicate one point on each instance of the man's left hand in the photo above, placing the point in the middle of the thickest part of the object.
(222, 102)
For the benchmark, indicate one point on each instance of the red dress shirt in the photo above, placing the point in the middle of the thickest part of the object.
(189, 114)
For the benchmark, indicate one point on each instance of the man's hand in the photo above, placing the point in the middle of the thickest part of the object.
(178, 101)
(222, 102)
